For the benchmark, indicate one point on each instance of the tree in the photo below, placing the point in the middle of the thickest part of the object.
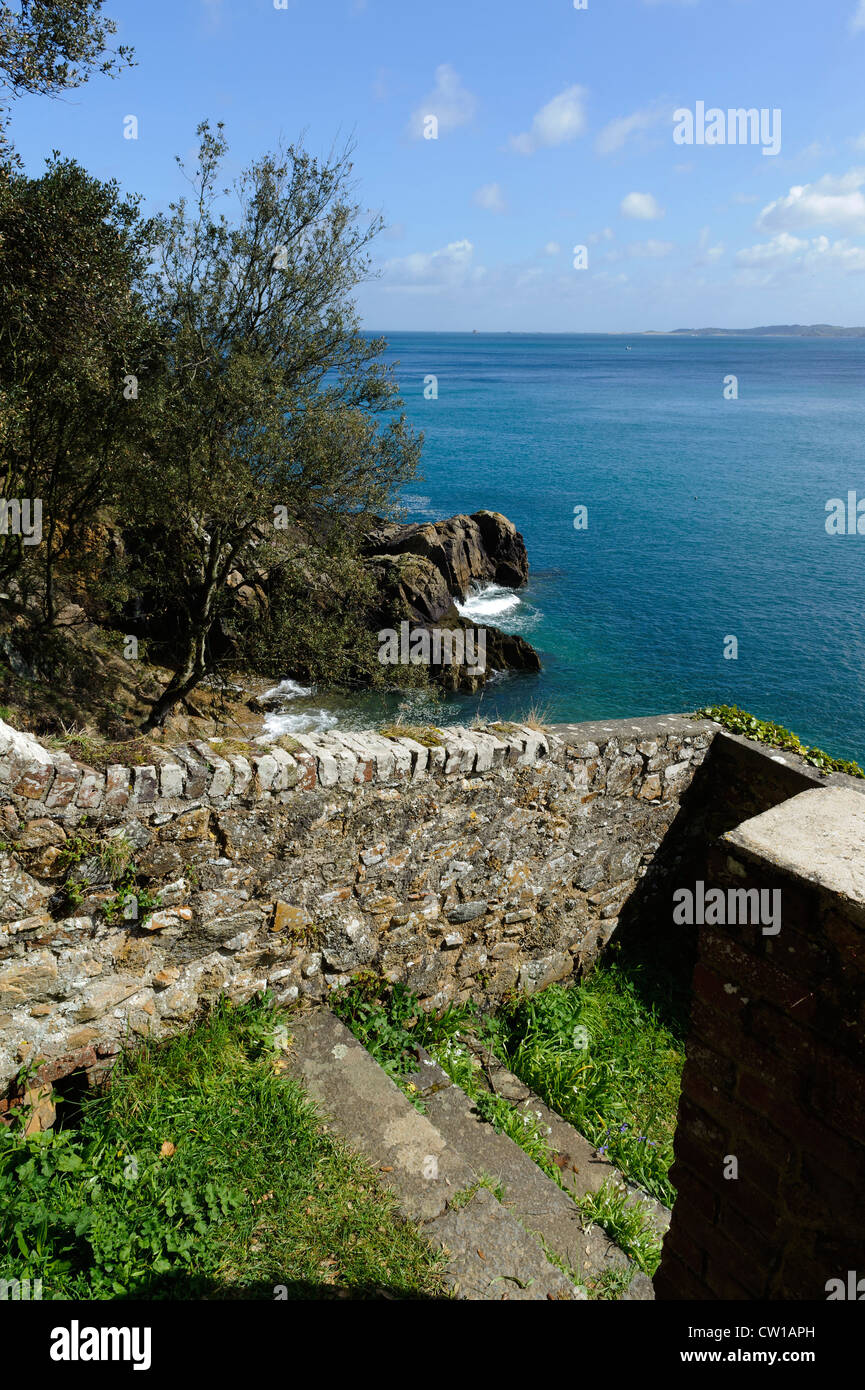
(72, 329)
(49, 46)
(267, 404)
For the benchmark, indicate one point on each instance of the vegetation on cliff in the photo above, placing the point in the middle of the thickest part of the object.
(199, 449)
(739, 721)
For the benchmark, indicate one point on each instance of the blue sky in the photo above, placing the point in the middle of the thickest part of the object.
(555, 130)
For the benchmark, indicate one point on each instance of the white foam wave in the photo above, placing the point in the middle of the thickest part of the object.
(484, 605)
(287, 690)
(310, 721)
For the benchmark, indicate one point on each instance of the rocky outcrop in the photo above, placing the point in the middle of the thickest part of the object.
(421, 569)
(414, 590)
(483, 548)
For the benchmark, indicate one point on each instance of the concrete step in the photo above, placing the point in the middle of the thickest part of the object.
(582, 1168)
(490, 1255)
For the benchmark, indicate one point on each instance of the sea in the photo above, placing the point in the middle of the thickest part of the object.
(700, 571)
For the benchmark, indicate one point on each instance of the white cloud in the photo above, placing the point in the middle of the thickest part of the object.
(707, 254)
(857, 20)
(449, 101)
(858, 141)
(641, 250)
(561, 120)
(834, 201)
(745, 198)
(618, 132)
(491, 197)
(552, 248)
(642, 206)
(790, 252)
(450, 265)
(651, 248)
(780, 248)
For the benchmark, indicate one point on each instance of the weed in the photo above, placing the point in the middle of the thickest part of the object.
(738, 721)
(625, 1222)
(203, 1172)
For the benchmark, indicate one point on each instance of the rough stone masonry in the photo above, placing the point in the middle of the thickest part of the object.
(500, 858)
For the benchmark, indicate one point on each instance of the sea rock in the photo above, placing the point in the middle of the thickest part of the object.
(484, 547)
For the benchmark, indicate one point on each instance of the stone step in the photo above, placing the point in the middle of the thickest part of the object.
(539, 1204)
(490, 1255)
(582, 1168)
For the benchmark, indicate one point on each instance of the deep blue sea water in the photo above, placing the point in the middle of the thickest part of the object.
(706, 517)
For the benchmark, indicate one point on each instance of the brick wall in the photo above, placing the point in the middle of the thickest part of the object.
(770, 1143)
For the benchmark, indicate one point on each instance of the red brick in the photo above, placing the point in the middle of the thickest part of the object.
(724, 1285)
(803, 955)
(755, 1242)
(787, 1040)
(696, 1122)
(743, 1202)
(709, 986)
(730, 1272)
(683, 1239)
(721, 1071)
(787, 1112)
(756, 977)
(836, 1151)
(757, 1169)
(675, 1281)
(848, 939)
(715, 1030)
(822, 1200)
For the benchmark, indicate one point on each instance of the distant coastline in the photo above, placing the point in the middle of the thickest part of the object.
(778, 330)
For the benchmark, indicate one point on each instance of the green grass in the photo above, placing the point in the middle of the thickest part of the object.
(203, 1173)
(535, 1033)
(609, 1208)
(622, 1089)
(738, 721)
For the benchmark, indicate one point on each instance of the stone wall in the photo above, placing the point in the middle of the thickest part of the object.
(770, 1141)
(503, 857)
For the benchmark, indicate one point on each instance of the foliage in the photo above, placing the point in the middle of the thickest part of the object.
(622, 1090)
(738, 721)
(72, 326)
(425, 734)
(51, 46)
(264, 401)
(625, 1222)
(203, 1172)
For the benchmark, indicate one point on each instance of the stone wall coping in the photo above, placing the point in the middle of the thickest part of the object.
(818, 835)
(197, 773)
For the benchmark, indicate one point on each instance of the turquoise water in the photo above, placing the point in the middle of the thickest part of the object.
(706, 517)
